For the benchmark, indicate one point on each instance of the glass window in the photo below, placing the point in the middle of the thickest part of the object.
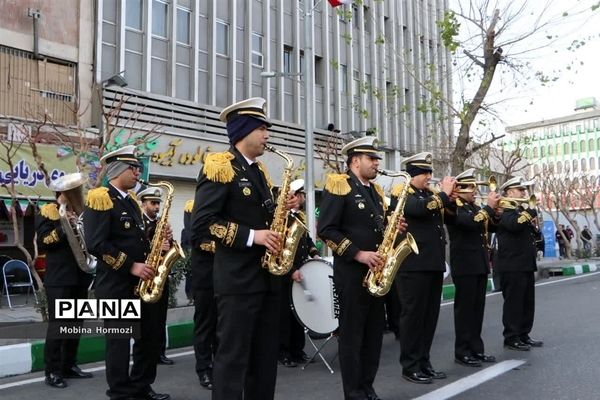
(558, 149)
(344, 78)
(575, 165)
(223, 38)
(550, 150)
(535, 152)
(567, 148)
(583, 165)
(183, 26)
(257, 50)
(133, 14)
(559, 167)
(355, 19)
(159, 18)
(543, 151)
(574, 147)
(582, 146)
(287, 60)
(592, 163)
(591, 145)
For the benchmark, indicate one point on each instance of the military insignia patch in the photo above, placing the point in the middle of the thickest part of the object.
(361, 205)
(246, 191)
(127, 225)
(218, 230)
(432, 205)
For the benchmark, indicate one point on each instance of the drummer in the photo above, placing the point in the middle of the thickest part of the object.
(352, 224)
(291, 333)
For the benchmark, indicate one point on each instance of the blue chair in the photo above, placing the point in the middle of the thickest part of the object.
(16, 274)
(3, 260)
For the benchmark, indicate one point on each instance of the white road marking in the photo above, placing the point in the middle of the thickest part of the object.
(538, 284)
(101, 368)
(469, 382)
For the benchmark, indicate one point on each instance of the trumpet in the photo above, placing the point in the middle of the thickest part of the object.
(470, 187)
(514, 202)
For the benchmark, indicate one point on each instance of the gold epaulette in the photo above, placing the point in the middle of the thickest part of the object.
(524, 217)
(98, 199)
(481, 215)
(338, 184)
(218, 168)
(189, 205)
(397, 189)
(133, 195)
(50, 211)
(266, 174)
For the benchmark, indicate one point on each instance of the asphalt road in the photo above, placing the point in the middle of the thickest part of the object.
(567, 319)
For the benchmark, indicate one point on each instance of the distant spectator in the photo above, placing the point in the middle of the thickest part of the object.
(569, 234)
(586, 236)
(560, 240)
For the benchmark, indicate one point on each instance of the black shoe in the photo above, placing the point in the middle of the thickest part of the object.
(152, 395)
(206, 380)
(56, 381)
(532, 343)
(416, 377)
(76, 373)
(467, 361)
(433, 374)
(302, 359)
(164, 360)
(484, 358)
(373, 396)
(517, 345)
(287, 362)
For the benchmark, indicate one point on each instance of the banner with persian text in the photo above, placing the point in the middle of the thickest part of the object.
(28, 178)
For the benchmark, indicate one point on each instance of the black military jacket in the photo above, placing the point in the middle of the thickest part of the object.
(423, 212)
(230, 200)
(61, 267)
(306, 247)
(469, 253)
(202, 252)
(150, 226)
(349, 224)
(516, 241)
(115, 233)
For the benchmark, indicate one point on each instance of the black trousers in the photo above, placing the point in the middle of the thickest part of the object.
(245, 364)
(61, 354)
(360, 336)
(163, 307)
(121, 382)
(392, 310)
(469, 305)
(518, 290)
(291, 332)
(205, 329)
(420, 295)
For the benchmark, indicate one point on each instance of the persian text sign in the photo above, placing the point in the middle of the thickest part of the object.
(27, 177)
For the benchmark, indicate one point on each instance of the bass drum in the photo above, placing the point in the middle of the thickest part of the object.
(314, 301)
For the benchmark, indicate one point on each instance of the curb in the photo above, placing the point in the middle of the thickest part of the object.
(24, 358)
(578, 269)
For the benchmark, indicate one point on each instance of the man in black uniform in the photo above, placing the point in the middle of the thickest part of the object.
(516, 264)
(64, 278)
(351, 222)
(291, 333)
(234, 205)
(151, 198)
(468, 227)
(205, 306)
(115, 233)
(419, 280)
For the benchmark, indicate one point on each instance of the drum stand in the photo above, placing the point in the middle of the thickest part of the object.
(319, 348)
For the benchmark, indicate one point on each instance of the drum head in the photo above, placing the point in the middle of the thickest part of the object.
(314, 301)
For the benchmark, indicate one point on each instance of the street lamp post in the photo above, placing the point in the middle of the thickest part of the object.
(309, 88)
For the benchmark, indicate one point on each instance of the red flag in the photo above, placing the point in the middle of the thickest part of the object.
(335, 3)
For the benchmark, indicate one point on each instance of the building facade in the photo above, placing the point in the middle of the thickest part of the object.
(184, 60)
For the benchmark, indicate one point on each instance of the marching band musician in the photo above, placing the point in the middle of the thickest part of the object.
(468, 227)
(205, 306)
(234, 205)
(516, 263)
(151, 198)
(291, 333)
(419, 280)
(351, 222)
(63, 280)
(116, 235)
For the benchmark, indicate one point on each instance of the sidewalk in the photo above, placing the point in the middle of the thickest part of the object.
(18, 356)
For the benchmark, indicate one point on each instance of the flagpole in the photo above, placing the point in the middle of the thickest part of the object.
(309, 87)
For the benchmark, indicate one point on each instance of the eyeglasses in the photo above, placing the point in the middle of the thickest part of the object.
(136, 167)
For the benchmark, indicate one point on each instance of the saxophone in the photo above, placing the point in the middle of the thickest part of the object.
(281, 263)
(151, 290)
(379, 283)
